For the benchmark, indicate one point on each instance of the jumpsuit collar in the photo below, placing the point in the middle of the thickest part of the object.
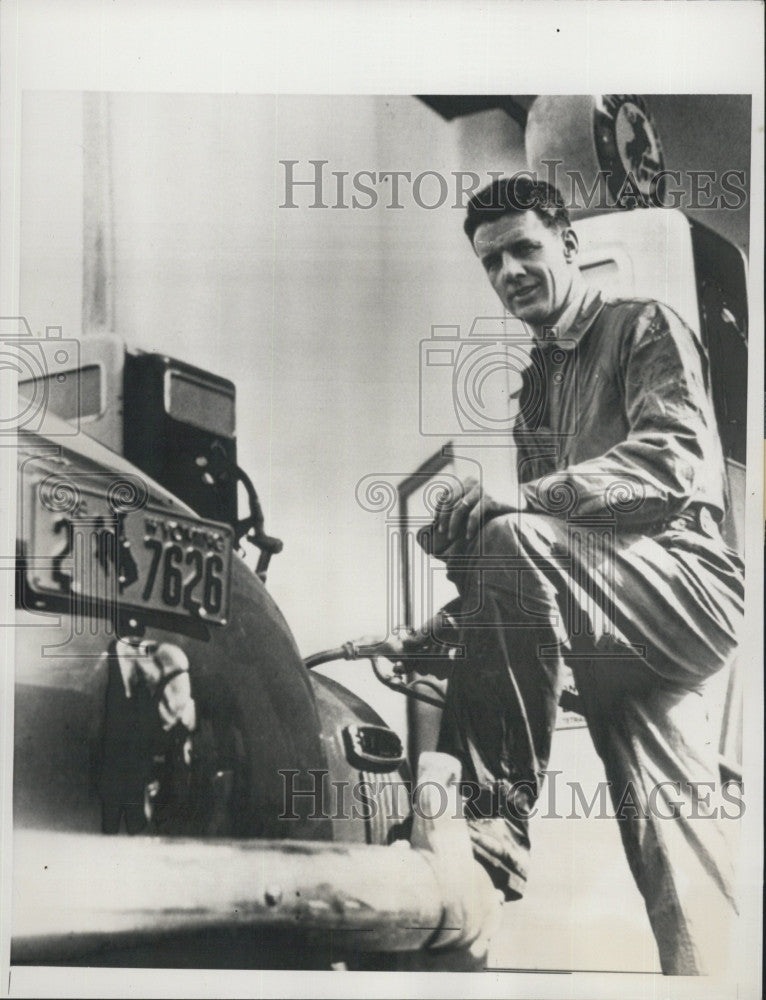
(576, 319)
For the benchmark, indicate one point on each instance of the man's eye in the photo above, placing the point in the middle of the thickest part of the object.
(491, 263)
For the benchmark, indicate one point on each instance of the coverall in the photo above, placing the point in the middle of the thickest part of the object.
(614, 565)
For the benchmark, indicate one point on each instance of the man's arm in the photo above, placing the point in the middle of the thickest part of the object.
(672, 447)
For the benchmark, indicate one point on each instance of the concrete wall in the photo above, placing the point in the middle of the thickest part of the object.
(51, 272)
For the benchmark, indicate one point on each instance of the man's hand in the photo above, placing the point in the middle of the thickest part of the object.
(463, 512)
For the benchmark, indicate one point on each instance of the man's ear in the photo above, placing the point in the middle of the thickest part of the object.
(571, 243)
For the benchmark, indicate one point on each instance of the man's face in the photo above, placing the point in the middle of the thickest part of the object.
(529, 265)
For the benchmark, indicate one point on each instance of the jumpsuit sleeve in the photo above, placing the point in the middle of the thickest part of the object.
(657, 469)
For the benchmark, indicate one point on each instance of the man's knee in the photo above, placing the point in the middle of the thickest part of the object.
(515, 534)
(498, 536)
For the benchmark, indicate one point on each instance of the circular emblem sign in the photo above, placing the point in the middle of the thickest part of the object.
(628, 149)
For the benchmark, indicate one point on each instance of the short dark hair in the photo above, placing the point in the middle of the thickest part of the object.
(520, 193)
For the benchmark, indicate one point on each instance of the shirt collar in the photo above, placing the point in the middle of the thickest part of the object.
(577, 318)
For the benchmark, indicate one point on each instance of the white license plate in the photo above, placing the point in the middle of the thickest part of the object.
(146, 559)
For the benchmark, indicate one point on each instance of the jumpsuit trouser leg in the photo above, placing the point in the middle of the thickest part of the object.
(644, 622)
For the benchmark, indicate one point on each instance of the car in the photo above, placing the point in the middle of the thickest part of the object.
(194, 788)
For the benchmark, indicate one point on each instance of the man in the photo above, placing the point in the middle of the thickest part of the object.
(609, 558)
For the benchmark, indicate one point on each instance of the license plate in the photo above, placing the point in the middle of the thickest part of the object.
(147, 559)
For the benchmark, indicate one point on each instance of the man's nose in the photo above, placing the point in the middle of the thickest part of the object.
(511, 267)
